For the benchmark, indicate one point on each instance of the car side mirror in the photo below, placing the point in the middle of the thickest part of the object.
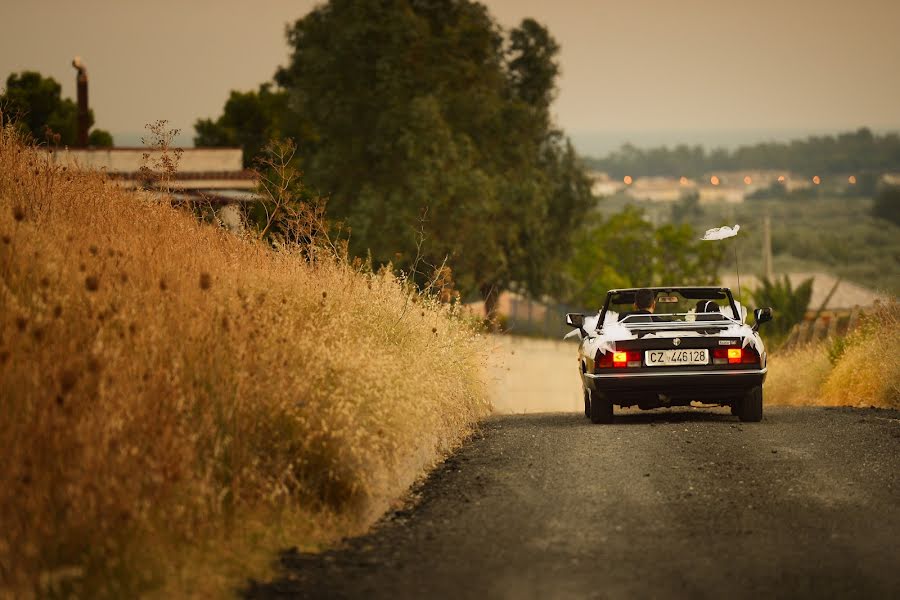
(575, 320)
(762, 315)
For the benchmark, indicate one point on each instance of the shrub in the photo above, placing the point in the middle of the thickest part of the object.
(796, 376)
(789, 304)
(887, 204)
(856, 370)
(868, 372)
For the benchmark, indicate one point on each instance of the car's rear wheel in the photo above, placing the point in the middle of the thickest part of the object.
(601, 408)
(587, 404)
(751, 406)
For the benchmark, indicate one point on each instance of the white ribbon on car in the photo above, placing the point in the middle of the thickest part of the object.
(720, 233)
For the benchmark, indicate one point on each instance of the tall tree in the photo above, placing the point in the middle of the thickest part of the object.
(37, 105)
(533, 68)
(420, 119)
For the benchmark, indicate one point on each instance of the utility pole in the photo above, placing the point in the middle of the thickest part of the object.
(83, 111)
(767, 269)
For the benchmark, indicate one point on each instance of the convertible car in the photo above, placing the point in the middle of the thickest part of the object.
(695, 346)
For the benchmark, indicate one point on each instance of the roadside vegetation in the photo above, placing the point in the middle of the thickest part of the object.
(451, 139)
(626, 249)
(180, 403)
(859, 369)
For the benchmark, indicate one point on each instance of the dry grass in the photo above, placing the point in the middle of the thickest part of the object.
(795, 377)
(179, 403)
(868, 371)
(859, 370)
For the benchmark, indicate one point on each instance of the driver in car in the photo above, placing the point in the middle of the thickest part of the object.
(644, 304)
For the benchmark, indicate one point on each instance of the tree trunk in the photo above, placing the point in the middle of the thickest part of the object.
(490, 294)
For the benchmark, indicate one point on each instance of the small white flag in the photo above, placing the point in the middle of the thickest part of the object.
(720, 233)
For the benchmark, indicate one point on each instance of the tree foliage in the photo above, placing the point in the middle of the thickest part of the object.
(249, 120)
(421, 118)
(789, 304)
(852, 152)
(36, 104)
(887, 204)
(626, 250)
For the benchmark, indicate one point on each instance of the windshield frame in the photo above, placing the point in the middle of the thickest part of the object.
(680, 289)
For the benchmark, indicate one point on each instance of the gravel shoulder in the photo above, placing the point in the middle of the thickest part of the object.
(672, 503)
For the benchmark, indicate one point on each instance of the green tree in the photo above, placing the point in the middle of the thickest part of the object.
(687, 209)
(420, 119)
(100, 138)
(789, 304)
(887, 204)
(249, 120)
(626, 250)
(532, 66)
(36, 104)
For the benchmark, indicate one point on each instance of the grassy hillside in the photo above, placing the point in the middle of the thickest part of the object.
(178, 403)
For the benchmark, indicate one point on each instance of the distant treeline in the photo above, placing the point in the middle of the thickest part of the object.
(856, 152)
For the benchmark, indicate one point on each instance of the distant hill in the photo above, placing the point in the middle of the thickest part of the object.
(861, 151)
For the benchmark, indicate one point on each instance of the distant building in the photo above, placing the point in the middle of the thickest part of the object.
(661, 189)
(891, 179)
(215, 175)
(602, 185)
(720, 193)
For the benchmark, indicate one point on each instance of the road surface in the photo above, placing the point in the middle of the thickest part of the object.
(685, 503)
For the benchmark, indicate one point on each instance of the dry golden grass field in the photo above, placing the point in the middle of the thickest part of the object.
(179, 403)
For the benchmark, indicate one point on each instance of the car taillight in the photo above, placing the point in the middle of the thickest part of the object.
(618, 360)
(626, 359)
(749, 356)
(603, 360)
(735, 356)
(727, 356)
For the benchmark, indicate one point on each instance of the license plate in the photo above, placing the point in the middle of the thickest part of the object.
(668, 358)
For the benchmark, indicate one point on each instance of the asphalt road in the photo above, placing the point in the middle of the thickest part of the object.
(684, 503)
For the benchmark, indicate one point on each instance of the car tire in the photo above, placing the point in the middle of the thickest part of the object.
(751, 407)
(587, 404)
(735, 407)
(601, 408)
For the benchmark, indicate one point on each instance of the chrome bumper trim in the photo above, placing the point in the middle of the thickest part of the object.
(674, 373)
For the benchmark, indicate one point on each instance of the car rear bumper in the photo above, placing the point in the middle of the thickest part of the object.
(694, 384)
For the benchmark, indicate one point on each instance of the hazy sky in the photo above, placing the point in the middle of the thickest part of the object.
(671, 69)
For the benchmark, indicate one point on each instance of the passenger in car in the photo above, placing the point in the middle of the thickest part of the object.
(708, 306)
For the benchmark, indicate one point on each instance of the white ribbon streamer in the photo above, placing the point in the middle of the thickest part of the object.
(720, 233)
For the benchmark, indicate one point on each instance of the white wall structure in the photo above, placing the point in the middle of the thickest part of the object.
(197, 169)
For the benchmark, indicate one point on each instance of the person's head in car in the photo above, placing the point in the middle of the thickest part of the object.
(707, 306)
(644, 302)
